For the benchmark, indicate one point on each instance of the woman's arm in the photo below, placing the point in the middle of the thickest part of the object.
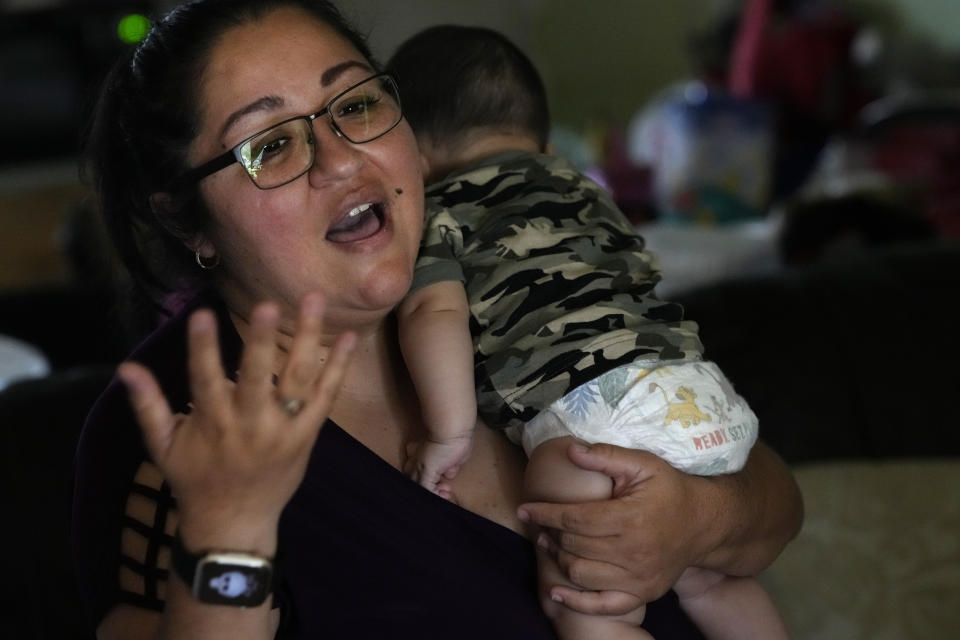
(126, 622)
(234, 462)
(661, 521)
(764, 513)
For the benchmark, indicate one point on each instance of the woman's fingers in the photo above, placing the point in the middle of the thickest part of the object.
(305, 381)
(331, 377)
(239, 452)
(624, 466)
(584, 518)
(150, 407)
(255, 377)
(305, 388)
(207, 382)
(598, 603)
(592, 574)
(587, 547)
(300, 375)
(598, 575)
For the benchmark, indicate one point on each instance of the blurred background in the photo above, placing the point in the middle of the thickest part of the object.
(702, 112)
(794, 165)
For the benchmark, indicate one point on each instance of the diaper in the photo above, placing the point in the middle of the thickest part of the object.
(685, 412)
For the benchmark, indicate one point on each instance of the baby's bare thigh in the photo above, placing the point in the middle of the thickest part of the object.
(552, 476)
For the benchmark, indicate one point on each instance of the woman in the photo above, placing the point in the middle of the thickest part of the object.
(321, 215)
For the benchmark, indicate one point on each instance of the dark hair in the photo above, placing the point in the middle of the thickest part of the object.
(455, 78)
(145, 118)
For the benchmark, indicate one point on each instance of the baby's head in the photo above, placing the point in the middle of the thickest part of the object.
(468, 92)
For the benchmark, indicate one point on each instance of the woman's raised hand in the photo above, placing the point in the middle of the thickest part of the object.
(236, 459)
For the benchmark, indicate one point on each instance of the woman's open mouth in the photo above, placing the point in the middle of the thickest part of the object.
(359, 224)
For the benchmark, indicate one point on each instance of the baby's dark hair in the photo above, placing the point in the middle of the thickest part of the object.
(454, 79)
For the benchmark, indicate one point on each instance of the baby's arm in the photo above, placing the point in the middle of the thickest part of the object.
(438, 350)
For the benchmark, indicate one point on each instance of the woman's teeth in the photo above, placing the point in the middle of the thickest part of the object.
(358, 210)
(360, 223)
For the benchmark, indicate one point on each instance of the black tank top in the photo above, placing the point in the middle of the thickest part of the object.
(363, 551)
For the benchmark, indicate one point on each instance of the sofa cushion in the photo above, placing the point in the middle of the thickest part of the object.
(879, 553)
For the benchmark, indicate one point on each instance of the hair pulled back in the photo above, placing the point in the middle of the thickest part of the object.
(145, 118)
(454, 79)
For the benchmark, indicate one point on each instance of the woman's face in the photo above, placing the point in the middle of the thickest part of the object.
(281, 243)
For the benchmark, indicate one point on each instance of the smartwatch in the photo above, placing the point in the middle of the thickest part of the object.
(234, 578)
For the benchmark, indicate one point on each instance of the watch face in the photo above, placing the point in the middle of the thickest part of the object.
(233, 579)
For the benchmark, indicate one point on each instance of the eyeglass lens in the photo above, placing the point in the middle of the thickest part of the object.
(286, 151)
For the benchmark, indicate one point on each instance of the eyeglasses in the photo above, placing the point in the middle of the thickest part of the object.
(284, 152)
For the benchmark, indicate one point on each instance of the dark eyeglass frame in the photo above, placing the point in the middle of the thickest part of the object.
(233, 155)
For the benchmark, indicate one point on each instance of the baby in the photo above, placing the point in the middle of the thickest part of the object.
(533, 305)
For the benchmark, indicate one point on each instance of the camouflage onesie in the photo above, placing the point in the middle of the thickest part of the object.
(559, 285)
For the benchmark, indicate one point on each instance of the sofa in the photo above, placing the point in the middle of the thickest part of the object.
(851, 367)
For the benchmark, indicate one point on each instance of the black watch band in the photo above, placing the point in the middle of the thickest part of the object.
(236, 578)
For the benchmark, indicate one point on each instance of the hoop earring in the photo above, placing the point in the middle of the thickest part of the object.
(207, 263)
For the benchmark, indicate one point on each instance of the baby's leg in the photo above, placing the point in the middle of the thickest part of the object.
(550, 476)
(728, 607)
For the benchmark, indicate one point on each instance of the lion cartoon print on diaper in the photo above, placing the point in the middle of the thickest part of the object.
(686, 412)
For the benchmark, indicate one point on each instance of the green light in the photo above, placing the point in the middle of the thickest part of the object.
(133, 28)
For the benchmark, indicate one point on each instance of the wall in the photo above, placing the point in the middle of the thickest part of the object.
(601, 61)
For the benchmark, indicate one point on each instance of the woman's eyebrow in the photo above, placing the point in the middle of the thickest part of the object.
(269, 103)
(266, 103)
(330, 75)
